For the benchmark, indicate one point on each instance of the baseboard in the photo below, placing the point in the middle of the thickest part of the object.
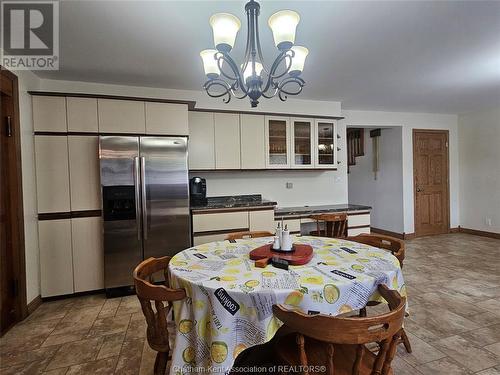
(33, 305)
(388, 233)
(409, 236)
(479, 233)
(454, 230)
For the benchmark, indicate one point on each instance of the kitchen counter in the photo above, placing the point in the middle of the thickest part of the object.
(233, 203)
(305, 211)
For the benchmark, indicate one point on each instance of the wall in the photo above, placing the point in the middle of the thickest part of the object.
(479, 148)
(385, 194)
(28, 81)
(408, 122)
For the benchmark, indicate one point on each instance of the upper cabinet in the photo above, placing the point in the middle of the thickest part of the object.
(325, 140)
(49, 114)
(166, 119)
(121, 116)
(82, 114)
(277, 142)
(302, 143)
(253, 141)
(201, 144)
(227, 141)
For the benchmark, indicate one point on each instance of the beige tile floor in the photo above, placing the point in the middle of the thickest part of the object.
(454, 293)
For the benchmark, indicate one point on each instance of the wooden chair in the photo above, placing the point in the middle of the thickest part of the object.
(334, 225)
(340, 343)
(397, 248)
(161, 296)
(248, 234)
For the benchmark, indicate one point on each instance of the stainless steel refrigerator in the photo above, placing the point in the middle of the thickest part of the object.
(145, 202)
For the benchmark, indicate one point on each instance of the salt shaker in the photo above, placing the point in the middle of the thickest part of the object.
(277, 238)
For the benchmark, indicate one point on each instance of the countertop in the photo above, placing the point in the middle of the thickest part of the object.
(302, 211)
(229, 202)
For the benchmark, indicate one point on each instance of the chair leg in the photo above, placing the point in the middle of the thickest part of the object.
(362, 312)
(406, 341)
(161, 363)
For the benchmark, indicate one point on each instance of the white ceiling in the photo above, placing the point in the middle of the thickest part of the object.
(418, 56)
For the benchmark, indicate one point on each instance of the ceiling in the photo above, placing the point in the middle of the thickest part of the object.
(422, 56)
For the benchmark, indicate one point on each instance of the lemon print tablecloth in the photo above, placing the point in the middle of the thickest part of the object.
(229, 303)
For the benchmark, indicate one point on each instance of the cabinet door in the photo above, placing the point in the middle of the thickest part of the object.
(88, 253)
(52, 173)
(56, 263)
(262, 220)
(326, 144)
(121, 116)
(49, 114)
(201, 143)
(302, 144)
(277, 142)
(84, 173)
(227, 141)
(253, 141)
(82, 115)
(166, 118)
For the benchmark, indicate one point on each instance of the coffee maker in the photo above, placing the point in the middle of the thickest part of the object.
(198, 190)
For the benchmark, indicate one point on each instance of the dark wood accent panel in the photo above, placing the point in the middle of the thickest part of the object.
(358, 213)
(388, 233)
(267, 113)
(65, 134)
(480, 233)
(33, 305)
(230, 209)
(68, 215)
(357, 226)
(190, 103)
(225, 231)
(375, 133)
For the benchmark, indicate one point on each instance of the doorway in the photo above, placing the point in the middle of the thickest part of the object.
(12, 263)
(431, 182)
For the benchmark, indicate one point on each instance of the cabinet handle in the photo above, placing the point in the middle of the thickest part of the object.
(9, 126)
(144, 202)
(137, 197)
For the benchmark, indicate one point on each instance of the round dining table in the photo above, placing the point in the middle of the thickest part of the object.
(229, 301)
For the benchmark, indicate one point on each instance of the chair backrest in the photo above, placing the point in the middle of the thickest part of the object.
(394, 245)
(248, 234)
(334, 225)
(383, 329)
(159, 295)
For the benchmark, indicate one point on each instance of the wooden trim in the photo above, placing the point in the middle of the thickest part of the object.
(455, 230)
(68, 215)
(17, 200)
(481, 233)
(357, 213)
(223, 231)
(357, 226)
(434, 131)
(267, 113)
(95, 134)
(264, 169)
(388, 233)
(72, 295)
(204, 211)
(409, 236)
(375, 133)
(190, 103)
(33, 305)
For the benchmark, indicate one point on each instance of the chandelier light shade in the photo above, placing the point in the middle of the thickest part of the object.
(253, 78)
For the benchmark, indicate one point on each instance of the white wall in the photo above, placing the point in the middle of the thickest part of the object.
(28, 81)
(385, 194)
(408, 122)
(479, 148)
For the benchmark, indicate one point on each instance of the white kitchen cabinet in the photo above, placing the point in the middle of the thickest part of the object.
(302, 143)
(199, 240)
(356, 231)
(56, 260)
(253, 141)
(84, 173)
(227, 141)
(52, 173)
(220, 221)
(293, 225)
(49, 114)
(121, 116)
(201, 144)
(325, 140)
(88, 253)
(261, 220)
(277, 142)
(82, 114)
(166, 118)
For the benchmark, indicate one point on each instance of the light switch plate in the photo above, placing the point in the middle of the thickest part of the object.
(289, 185)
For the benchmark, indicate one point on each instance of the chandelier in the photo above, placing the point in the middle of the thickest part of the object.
(253, 78)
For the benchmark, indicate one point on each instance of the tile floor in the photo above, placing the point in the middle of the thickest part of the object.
(454, 293)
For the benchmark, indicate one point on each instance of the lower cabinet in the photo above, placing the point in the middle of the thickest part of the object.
(71, 256)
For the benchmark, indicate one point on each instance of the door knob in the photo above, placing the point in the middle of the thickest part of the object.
(419, 190)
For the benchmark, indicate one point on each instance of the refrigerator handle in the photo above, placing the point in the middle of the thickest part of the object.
(144, 201)
(137, 184)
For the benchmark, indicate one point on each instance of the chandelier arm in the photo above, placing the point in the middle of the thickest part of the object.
(283, 94)
(235, 70)
(259, 48)
(220, 57)
(247, 47)
(218, 83)
(271, 76)
(234, 89)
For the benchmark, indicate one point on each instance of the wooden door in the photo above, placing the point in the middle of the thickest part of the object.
(12, 272)
(430, 171)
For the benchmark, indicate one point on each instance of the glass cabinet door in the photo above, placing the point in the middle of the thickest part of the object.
(326, 144)
(277, 134)
(302, 143)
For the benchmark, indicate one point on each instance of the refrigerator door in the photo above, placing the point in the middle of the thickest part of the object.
(120, 180)
(166, 217)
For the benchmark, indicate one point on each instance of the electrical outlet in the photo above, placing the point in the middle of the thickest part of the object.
(289, 185)
(338, 179)
(488, 221)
